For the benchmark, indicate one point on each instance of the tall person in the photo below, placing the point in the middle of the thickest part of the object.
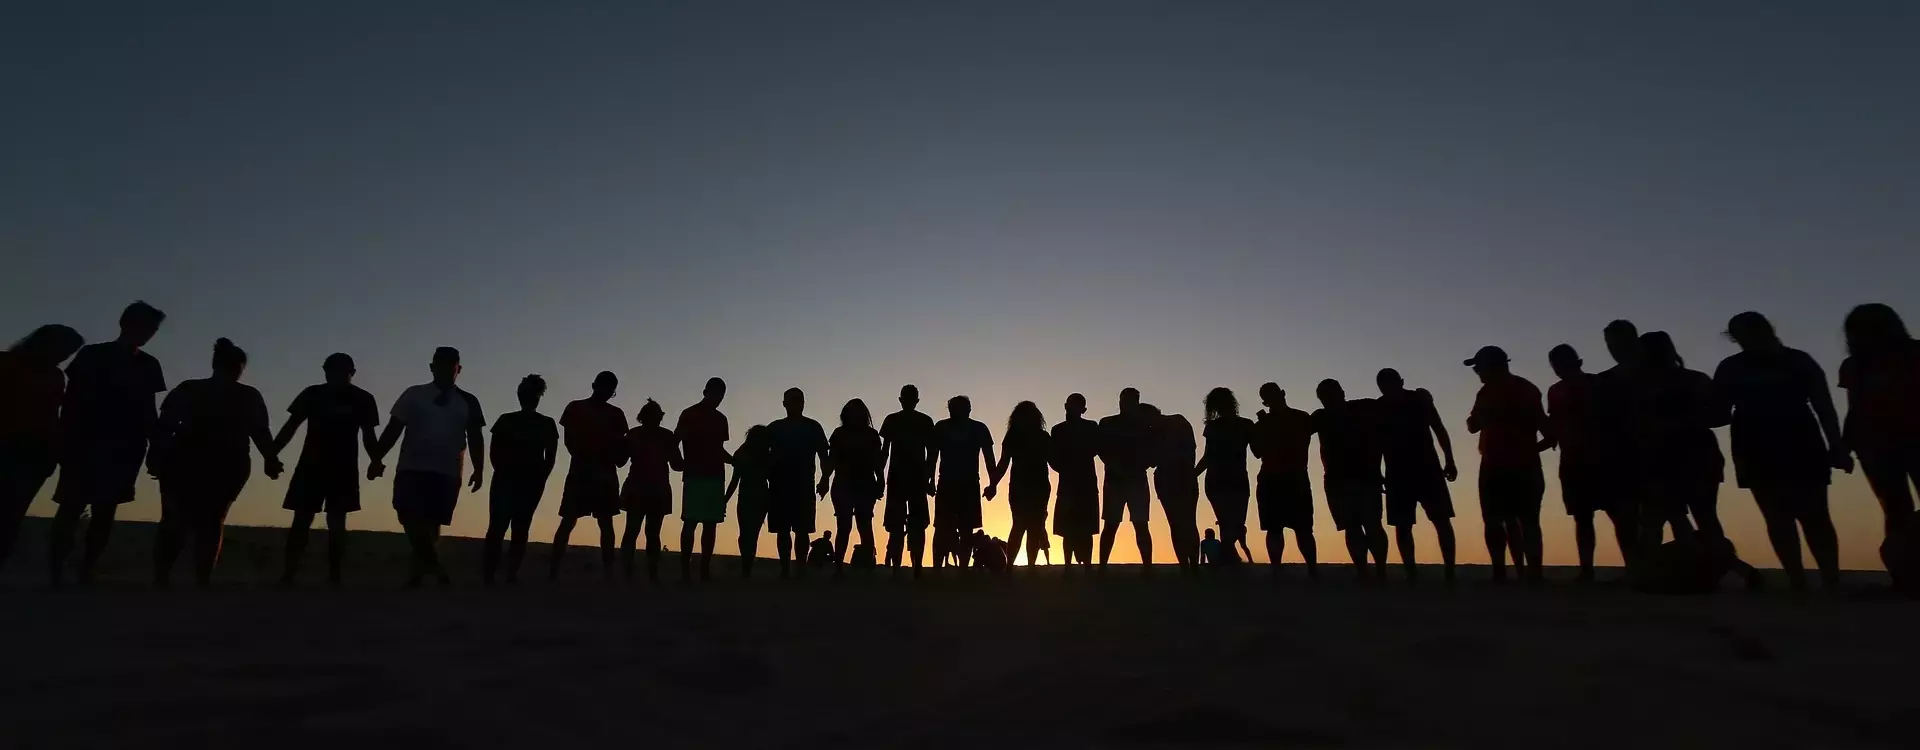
(106, 421)
(1176, 481)
(855, 447)
(1882, 378)
(1575, 425)
(1508, 417)
(526, 444)
(1416, 480)
(1076, 510)
(793, 443)
(1350, 459)
(1229, 436)
(31, 386)
(904, 439)
(1126, 450)
(959, 444)
(703, 435)
(440, 423)
(1026, 449)
(200, 457)
(1282, 437)
(595, 432)
(1786, 441)
(648, 497)
(340, 419)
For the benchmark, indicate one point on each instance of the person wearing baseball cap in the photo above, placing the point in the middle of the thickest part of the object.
(1510, 422)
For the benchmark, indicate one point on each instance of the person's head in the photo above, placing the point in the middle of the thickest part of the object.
(1566, 362)
(651, 414)
(855, 414)
(139, 322)
(1026, 416)
(756, 439)
(714, 393)
(445, 366)
(1488, 363)
(605, 385)
(1209, 533)
(228, 360)
(1150, 414)
(1221, 402)
(1753, 332)
(825, 535)
(1330, 393)
(1129, 399)
(1076, 405)
(532, 387)
(1623, 342)
(796, 402)
(1874, 329)
(338, 368)
(959, 407)
(909, 397)
(49, 345)
(1389, 381)
(1657, 351)
(1272, 396)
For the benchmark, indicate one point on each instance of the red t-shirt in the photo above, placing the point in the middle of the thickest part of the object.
(702, 431)
(1508, 412)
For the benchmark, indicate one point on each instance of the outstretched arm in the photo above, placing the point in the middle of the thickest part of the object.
(1440, 433)
(1201, 467)
(287, 430)
(1829, 420)
(477, 442)
(826, 468)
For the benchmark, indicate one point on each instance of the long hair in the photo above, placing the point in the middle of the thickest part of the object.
(1752, 330)
(53, 343)
(1874, 329)
(1220, 403)
(1026, 416)
(228, 358)
(1658, 349)
(855, 414)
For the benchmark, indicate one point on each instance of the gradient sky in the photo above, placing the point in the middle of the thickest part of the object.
(1013, 200)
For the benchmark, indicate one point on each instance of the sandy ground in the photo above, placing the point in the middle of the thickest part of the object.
(1036, 661)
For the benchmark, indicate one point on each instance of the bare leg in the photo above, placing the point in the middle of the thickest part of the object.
(1783, 531)
(560, 537)
(336, 545)
(1584, 540)
(66, 520)
(842, 540)
(99, 532)
(170, 539)
(1535, 545)
(208, 533)
(517, 547)
(1143, 538)
(707, 531)
(1107, 531)
(1309, 550)
(865, 525)
(1823, 542)
(1443, 528)
(1377, 546)
(607, 547)
(654, 521)
(630, 541)
(296, 546)
(783, 542)
(916, 546)
(1496, 532)
(686, 548)
(490, 549)
(1276, 549)
(1403, 537)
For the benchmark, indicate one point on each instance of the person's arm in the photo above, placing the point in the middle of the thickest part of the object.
(986, 451)
(162, 436)
(297, 415)
(825, 453)
(1822, 400)
(733, 485)
(996, 471)
(886, 450)
(378, 455)
(263, 439)
(1200, 467)
(933, 468)
(674, 461)
(1440, 433)
(1473, 415)
(1538, 418)
(476, 441)
(1715, 409)
(549, 454)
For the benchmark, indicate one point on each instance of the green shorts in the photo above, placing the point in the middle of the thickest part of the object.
(703, 500)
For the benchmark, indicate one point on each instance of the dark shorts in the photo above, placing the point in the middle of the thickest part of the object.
(1179, 497)
(514, 499)
(1585, 490)
(591, 491)
(1353, 501)
(790, 507)
(425, 497)
(200, 494)
(1807, 500)
(1028, 503)
(100, 474)
(753, 506)
(1410, 491)
(1076, 509)
(854, 498)
(322, 492)
(1285, 501)
(1126, 497)
(907, 504)
(644, 498)
(957, 507)
(1511, 493)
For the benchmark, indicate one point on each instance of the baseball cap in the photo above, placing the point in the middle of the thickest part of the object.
(1489, 355)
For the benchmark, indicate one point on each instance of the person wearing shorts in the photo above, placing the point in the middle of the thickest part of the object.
(1282, 437)
(106, 420)
(1126, 449)
(904, 440)
(1508, 418)
(795, 443)
(1587, 484)
(654, 454)
(1076, 507)
(525, 445)
(340, 418)
(1415, 478)
(1350, 457)
(440, 422)
(595, 431)
(959, 443)
(703, 436)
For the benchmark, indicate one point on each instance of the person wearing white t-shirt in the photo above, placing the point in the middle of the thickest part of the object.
(440, 423)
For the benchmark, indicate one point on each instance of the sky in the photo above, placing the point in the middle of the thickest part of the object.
(1010, 200)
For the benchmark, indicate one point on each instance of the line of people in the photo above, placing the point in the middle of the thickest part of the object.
(1636, 442)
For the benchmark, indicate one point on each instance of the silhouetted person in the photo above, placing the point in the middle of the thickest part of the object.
(1027, 450)
(1350, 458)
(440, 423)
(1617, 431)
(959, 444)
(1882, 377)
(820, 553)
(905, 437)
(1577, 429)
(1229, 437)
(1177, 483)
(340, 419)
(200, 457)
(1415, 477)
(1680, 460)
(750, 466)
(1076, 510)
(1510, 422)
(1126, 448)
(1282, 437)
(990, 554)
(1210, 550)
(703, 435)
(648, 496)
(31, 386)
(595, 432)
(855, 447)
(526, 444)
(106, 420)
(1786, 441)
(794, 442)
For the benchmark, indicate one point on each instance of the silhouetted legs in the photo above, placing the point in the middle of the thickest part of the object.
(749, 542)
(1365, 539)
(1033, 534)
(66, 520)
(686, 549)
(843, 542)
(1186, 538)
(206, 525)
(564, 534)
(1277, 549)
(1789, 511)
(635, 522)
(1442, 529)
(18, 486)
(498, 526)
(793, 548)
(424, 538)
(336, 545)
(1892, 474)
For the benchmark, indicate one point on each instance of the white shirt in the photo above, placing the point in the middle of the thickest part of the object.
(436, 433)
